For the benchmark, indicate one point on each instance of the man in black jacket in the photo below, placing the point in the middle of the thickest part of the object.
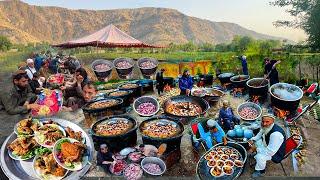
(20, 98)
(160, 81)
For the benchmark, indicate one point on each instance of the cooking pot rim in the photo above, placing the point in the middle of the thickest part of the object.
(247, 77)
(253, 104)
(85, 107)
(166, 118)
(130, 118)
(192, 97)
(285, 99)
(257, 79)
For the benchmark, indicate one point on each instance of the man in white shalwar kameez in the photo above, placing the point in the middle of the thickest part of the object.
(268, 144)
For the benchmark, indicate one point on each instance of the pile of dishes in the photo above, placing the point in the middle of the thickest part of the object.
(59, 148)
(56, 80)
(50, 102)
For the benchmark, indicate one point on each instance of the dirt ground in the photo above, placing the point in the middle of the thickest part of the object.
(186, 167)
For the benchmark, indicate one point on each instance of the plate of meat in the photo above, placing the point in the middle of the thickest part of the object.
(70, 154)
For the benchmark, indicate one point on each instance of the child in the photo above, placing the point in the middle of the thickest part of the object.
(104, 157)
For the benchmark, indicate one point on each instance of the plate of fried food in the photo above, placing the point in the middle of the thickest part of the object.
(48, 134)
(27, 127)
(22, 148)
(46, 167)
(22, 157)
(70, 154)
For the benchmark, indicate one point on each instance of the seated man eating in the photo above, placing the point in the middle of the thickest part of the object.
(269, 144)
(20, 99)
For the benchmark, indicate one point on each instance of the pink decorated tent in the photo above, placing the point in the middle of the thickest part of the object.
(109, 36)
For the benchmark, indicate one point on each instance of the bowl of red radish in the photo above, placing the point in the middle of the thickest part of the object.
(146, 106)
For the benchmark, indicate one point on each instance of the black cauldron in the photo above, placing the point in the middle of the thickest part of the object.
(213, 96)
(239, 81)
(92, 115)
(285, 96)
(123, 72)
(182, 98)
(136, 91)
(117, 142)
(258, 88)
(169, 81)
(102, 74)
(172, 142)
(207, 78)
(125, 98)
(148, 71)
(147, 85)
(225, 78)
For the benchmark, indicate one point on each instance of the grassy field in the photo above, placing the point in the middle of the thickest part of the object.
(9, 61)
(224, 61)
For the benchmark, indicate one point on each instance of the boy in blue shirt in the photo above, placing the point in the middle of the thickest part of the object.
(217, 132)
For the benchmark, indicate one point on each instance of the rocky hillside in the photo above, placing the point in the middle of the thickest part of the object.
(27, 23)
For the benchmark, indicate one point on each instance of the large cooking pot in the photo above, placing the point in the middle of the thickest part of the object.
(122, 72)
(115, 107)
(147, 85)
(125, 98)
(136, 91)
(172, 142)
(117, 142)
(285, 96)
(213, 96)
(182, 98)
(257, 89)
(239, 81)
(225, 78)
(102, 74)
(92, 115)
(145, 70)
(208, 79)
(169, 81)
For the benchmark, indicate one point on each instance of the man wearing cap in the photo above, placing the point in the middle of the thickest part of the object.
(217, 132)
(269, 144)
(30, 68)
(226, 117)
(19, 100)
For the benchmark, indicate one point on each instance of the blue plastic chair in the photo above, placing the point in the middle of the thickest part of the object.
(206, 136)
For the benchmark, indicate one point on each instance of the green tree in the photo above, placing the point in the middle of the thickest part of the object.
(5, 43)
(306, 15)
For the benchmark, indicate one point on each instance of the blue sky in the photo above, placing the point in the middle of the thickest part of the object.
(256, 15)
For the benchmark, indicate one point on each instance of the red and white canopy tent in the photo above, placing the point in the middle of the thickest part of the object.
(109, 37)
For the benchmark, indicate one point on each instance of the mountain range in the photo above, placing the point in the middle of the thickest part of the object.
(24, 23)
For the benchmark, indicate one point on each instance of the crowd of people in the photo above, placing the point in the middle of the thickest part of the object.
(32, 77)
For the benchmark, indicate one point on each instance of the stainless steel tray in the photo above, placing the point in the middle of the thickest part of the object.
(23, 170)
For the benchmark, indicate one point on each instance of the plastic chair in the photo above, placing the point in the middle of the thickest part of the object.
(291, 145)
